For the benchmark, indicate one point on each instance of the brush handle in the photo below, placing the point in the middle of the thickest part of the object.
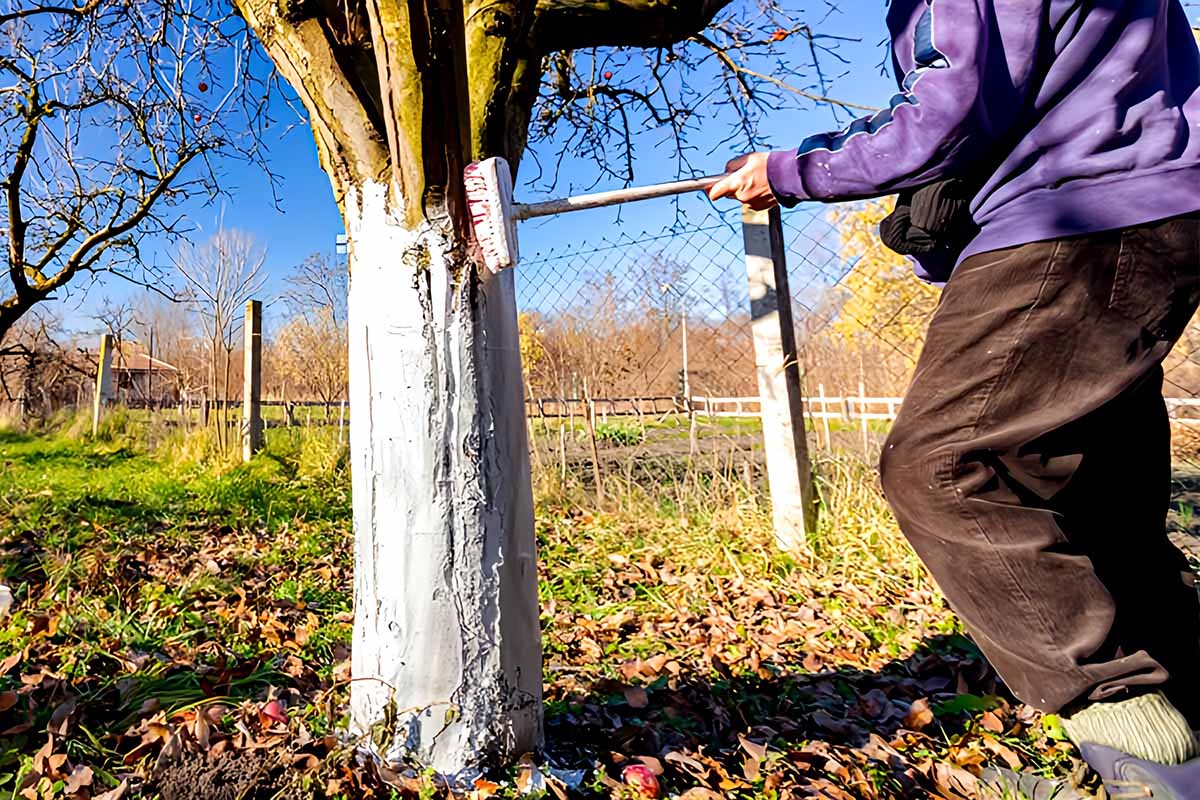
(615, 197)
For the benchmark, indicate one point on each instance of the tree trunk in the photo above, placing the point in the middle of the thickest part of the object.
(446, 660)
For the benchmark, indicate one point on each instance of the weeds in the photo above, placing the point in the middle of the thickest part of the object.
(175, 602)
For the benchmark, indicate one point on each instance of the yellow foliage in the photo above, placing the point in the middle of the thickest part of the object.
(884, 301)
(532, 350)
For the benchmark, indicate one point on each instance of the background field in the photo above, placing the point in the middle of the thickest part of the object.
(169, 606)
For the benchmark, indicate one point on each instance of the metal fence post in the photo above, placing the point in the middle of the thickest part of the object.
(252, 422)
(789, 473)
(104, 387)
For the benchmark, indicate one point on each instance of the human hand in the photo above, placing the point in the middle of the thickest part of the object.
(747, 182)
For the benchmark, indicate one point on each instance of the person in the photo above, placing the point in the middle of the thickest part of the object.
(1030, 463)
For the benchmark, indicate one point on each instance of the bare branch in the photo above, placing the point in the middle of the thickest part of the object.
(742, 71)
(71, 11)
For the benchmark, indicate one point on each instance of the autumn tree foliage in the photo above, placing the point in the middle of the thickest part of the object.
(308, 353)
(869, 324)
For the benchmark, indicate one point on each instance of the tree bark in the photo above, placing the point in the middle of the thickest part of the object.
(446, 656)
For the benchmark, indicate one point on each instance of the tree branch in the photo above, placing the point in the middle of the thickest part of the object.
(739, 71)
(575, 24)
(350, 144)
(71, 11)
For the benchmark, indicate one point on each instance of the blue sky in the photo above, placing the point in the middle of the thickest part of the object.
(306, 219)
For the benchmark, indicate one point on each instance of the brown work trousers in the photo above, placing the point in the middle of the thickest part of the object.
(1030, 465)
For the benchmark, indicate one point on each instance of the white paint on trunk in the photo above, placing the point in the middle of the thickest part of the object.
(447, 651)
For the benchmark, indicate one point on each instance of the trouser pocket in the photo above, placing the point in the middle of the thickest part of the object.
(1157, 279)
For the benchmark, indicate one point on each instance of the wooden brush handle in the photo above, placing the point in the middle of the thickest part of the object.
(615, 197)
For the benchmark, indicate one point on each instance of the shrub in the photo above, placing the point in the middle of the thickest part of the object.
(619, 435)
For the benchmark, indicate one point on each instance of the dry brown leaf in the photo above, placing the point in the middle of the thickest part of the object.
(10, 662)
(919, 716)
(80, 777)
(114, 794)
(954, 782)
(653, 764)
(636, 697)
(753, 749)
(483, 790)
(1007, 754)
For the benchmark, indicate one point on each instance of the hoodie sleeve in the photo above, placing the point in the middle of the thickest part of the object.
(955, 103)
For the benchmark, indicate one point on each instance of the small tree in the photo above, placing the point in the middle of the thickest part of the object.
(310, 350)
(220, 276)
(113, 112)
(310, 354)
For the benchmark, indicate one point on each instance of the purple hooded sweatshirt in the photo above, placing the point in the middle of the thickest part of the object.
(1081, 115)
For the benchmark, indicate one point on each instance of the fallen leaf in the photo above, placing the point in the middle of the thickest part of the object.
(919, 716)
(636, 697)
(114, 794)
(483, 790)
(80, 777)
(991, 722)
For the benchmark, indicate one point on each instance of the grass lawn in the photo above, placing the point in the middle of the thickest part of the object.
(182, 625)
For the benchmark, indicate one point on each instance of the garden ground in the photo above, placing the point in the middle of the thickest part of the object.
(181, 629)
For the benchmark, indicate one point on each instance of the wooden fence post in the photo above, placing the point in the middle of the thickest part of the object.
(825, 417)
(862, 416)
(789, 474)
(252, 422)
(104, 386)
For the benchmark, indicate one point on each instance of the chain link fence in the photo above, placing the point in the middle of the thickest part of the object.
(649, 333)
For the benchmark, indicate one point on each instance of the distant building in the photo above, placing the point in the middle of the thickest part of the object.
(139, 379)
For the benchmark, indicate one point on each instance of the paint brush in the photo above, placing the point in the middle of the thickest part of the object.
(495, 214)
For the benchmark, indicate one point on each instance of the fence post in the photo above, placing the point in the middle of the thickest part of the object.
(103, 380)
(252, 423)
(789, 474)
(825, 416)
(862, 415)
(341, 422)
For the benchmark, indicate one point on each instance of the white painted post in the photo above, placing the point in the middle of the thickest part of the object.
(104, 388)
(862, 415)
(341, 422)
(252, 422)
(789, 473)
(825, 416)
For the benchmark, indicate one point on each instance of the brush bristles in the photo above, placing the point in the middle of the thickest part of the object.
(489, 199)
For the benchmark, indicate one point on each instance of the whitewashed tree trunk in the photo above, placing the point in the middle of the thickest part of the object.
(447, 655)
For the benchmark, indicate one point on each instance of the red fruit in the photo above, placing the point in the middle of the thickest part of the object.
(203, 86)
(274, 711)
(608, 76)
(197, 118)
(641, 779)
(779, 35)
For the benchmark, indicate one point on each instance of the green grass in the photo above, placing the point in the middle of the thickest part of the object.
(150, 584)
